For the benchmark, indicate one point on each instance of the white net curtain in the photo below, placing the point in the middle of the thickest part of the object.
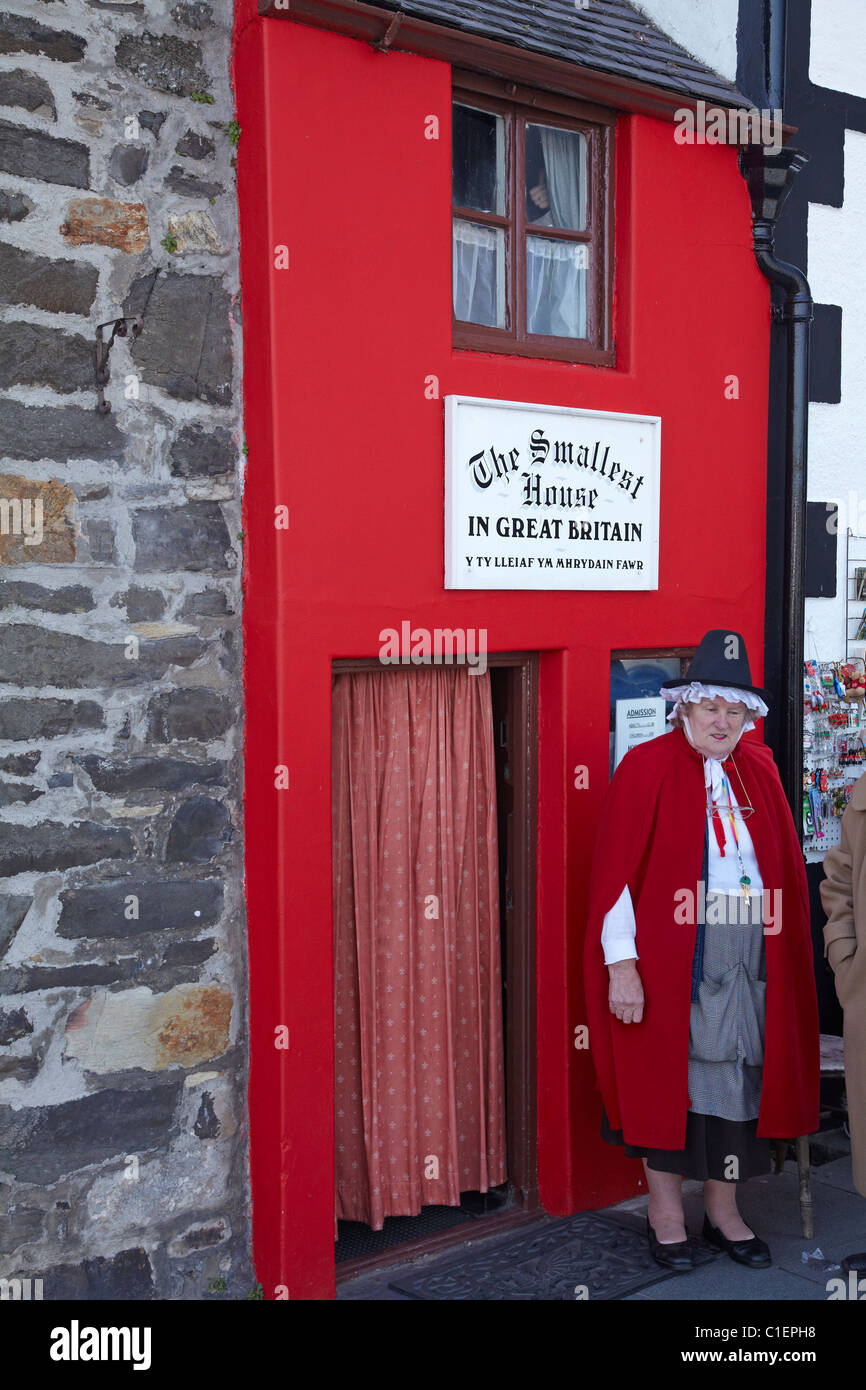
(556, 271)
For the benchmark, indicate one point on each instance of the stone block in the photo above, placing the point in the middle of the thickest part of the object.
(20, 1225)
(32, 154)
(33, 355)
(191, 145)
(63, 287)
(38, 1144)
(193, 537)
(13, 909)
(198, 832)
(99, 534)
(196, 14)
(189, 713)
(21, 88)
(208, 603)
(14, 207)
(51, 846)
(21, 720)
(20, 764)
(33, 656)
(104, 222)
(36, 525)
(194, 232)
(41, 432)
(152, 121)
(136, 1028)
(104, 909)
(142, 605)
(201, 453)
(189, 952)
(14, 1024)
(141, 773)
(27, 978)
(164, 62)
(21, 34)
(127, 163)
(200, 1237)
(124, 1277)
(188, 186)
(186, 346)
(73, 598)
(90, 99)
(18, 793)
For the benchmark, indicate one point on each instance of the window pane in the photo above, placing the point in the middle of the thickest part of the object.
(556, 276)
(478, 268)
(633, 677)
(555, 177)
(478, 159)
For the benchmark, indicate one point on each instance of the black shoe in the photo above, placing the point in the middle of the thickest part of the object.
(677, 1256)
(753, 1252)
(855, 1262)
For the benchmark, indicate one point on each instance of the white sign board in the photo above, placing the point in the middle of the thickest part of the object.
(549, 497)
(636, 722)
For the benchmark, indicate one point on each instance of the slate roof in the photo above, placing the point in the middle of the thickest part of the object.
(608, 36)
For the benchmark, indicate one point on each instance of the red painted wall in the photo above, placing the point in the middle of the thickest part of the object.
(333, 165)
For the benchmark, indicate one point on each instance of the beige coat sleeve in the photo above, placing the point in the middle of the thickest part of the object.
(840, 941)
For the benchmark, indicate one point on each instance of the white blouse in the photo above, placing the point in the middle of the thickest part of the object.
(723, 876)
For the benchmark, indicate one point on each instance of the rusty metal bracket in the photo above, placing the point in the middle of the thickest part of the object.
(103, 372)
(388, 37)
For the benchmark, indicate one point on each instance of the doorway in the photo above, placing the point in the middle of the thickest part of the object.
(506, 775)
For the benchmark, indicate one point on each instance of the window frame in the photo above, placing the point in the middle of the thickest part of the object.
(521, 106)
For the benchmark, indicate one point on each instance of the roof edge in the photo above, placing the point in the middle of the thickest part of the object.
(389, 29)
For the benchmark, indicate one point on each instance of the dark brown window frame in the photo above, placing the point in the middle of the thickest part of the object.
(519, 106)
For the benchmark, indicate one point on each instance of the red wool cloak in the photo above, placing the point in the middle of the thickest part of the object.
(651, 837)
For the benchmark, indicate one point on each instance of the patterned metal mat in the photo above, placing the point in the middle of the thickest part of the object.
(555, 1260)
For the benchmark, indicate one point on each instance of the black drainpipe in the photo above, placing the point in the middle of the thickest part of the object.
(770, 176)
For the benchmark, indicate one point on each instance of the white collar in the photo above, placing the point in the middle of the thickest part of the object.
(714, 775)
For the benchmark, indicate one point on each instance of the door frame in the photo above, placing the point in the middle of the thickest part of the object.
(521, 1106)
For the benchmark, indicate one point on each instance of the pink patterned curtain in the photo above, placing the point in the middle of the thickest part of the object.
(420, 1113)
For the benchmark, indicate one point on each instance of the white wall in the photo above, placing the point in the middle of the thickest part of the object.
(837, 433)
(837, 57)
(705, 28)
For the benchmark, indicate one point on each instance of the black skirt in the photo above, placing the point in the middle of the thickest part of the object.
(711, 1143)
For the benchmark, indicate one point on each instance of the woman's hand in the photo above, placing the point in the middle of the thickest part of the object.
(625, 991)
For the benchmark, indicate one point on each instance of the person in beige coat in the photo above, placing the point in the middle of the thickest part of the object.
(843, 894)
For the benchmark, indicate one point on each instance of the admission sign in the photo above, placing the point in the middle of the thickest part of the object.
(549, 497)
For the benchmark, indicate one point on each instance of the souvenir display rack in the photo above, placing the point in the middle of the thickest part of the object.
(855, 598)
(834, 756)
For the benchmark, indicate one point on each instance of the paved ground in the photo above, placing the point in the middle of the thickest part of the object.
(771, 1207)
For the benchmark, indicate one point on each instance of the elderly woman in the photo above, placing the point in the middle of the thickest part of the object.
(698, 962)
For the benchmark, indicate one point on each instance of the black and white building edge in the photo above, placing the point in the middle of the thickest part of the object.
(809, 58)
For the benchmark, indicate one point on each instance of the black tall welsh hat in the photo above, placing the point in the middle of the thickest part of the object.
(721, 659)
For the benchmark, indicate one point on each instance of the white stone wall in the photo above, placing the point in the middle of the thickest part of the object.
(837, 433)
(837, 54)
(706, 30)
(123, 1154)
